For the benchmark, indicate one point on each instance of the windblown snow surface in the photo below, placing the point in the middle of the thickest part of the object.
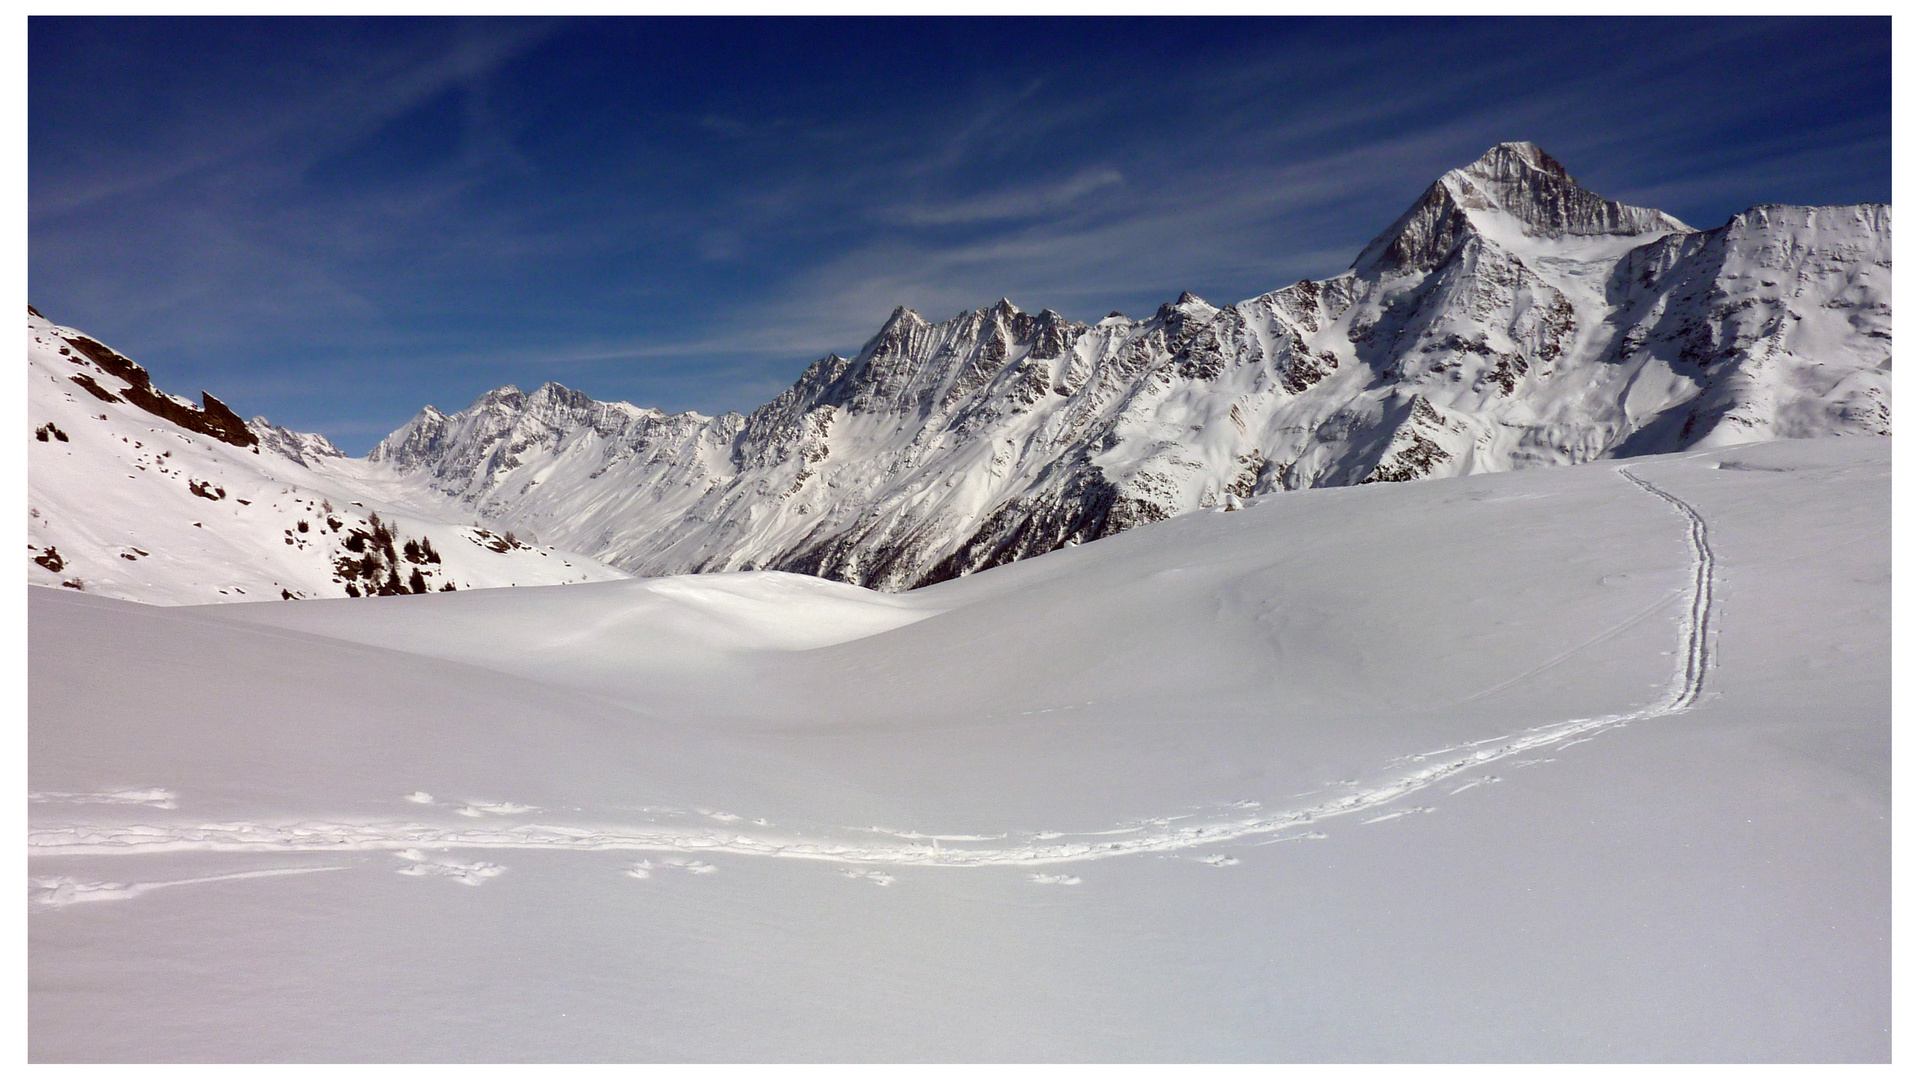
(1588, 763)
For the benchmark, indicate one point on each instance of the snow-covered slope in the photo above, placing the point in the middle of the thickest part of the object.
(136, 494)
(1587, 763)
(1509, 319)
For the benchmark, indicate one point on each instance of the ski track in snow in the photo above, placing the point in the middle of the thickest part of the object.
(1696, 629)
(411, 840)
(62, 891)
(158, 798)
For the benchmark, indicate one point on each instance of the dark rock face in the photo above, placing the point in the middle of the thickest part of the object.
(211, 418)
(1537, 192)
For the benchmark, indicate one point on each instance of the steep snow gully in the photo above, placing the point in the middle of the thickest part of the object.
(678, 833)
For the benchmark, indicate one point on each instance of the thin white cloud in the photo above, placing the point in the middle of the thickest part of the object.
(1007, 204)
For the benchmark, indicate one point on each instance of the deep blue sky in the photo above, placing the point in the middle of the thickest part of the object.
(335, 222)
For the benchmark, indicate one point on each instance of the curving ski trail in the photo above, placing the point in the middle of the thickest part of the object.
(1696, 628)
(1694, 657)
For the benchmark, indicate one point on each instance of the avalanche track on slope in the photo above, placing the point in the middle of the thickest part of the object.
(850, 845)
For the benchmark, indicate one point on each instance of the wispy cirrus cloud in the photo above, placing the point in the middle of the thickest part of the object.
(1007, 204)
(356, 92)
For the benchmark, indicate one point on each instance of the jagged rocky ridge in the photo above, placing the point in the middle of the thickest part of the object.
(212, 418)
(1509, 319)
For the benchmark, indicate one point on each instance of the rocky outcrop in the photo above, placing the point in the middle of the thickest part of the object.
(211, 418)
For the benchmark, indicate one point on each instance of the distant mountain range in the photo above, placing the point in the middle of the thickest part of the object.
(1509, 319)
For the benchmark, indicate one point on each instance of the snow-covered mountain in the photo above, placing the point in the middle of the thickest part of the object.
(137, 494)
(1509, 319)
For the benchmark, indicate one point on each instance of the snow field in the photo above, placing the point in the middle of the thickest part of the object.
(1583, 763)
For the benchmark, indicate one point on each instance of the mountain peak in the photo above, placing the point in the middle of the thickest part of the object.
(508, 395)
(551, 390)
(1513, 193)
(1510, 159)
(902, 315)
(1185, 307)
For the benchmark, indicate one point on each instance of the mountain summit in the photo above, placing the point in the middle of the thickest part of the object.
(1509, 319)
(1516, 190)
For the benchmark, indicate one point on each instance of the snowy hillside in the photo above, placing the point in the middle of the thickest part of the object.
(136, 494)
(1587, 763)
(1510, 319)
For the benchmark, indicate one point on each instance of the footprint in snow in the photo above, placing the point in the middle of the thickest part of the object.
(1293, 837)
(874, 876)
(481, 809)
(420, 864)
(158, 798)
(691, 866)
(1053, 879)
(58, 892)
(1399, 813)
(473, 807)
(1220, 860)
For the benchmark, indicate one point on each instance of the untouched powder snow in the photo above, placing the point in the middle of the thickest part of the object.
(1586, 763)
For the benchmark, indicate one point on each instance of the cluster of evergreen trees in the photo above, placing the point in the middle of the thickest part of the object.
(373, 566)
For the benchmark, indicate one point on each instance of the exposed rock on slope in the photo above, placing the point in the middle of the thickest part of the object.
(136, 494)
(1509, 319)
(211, 418)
